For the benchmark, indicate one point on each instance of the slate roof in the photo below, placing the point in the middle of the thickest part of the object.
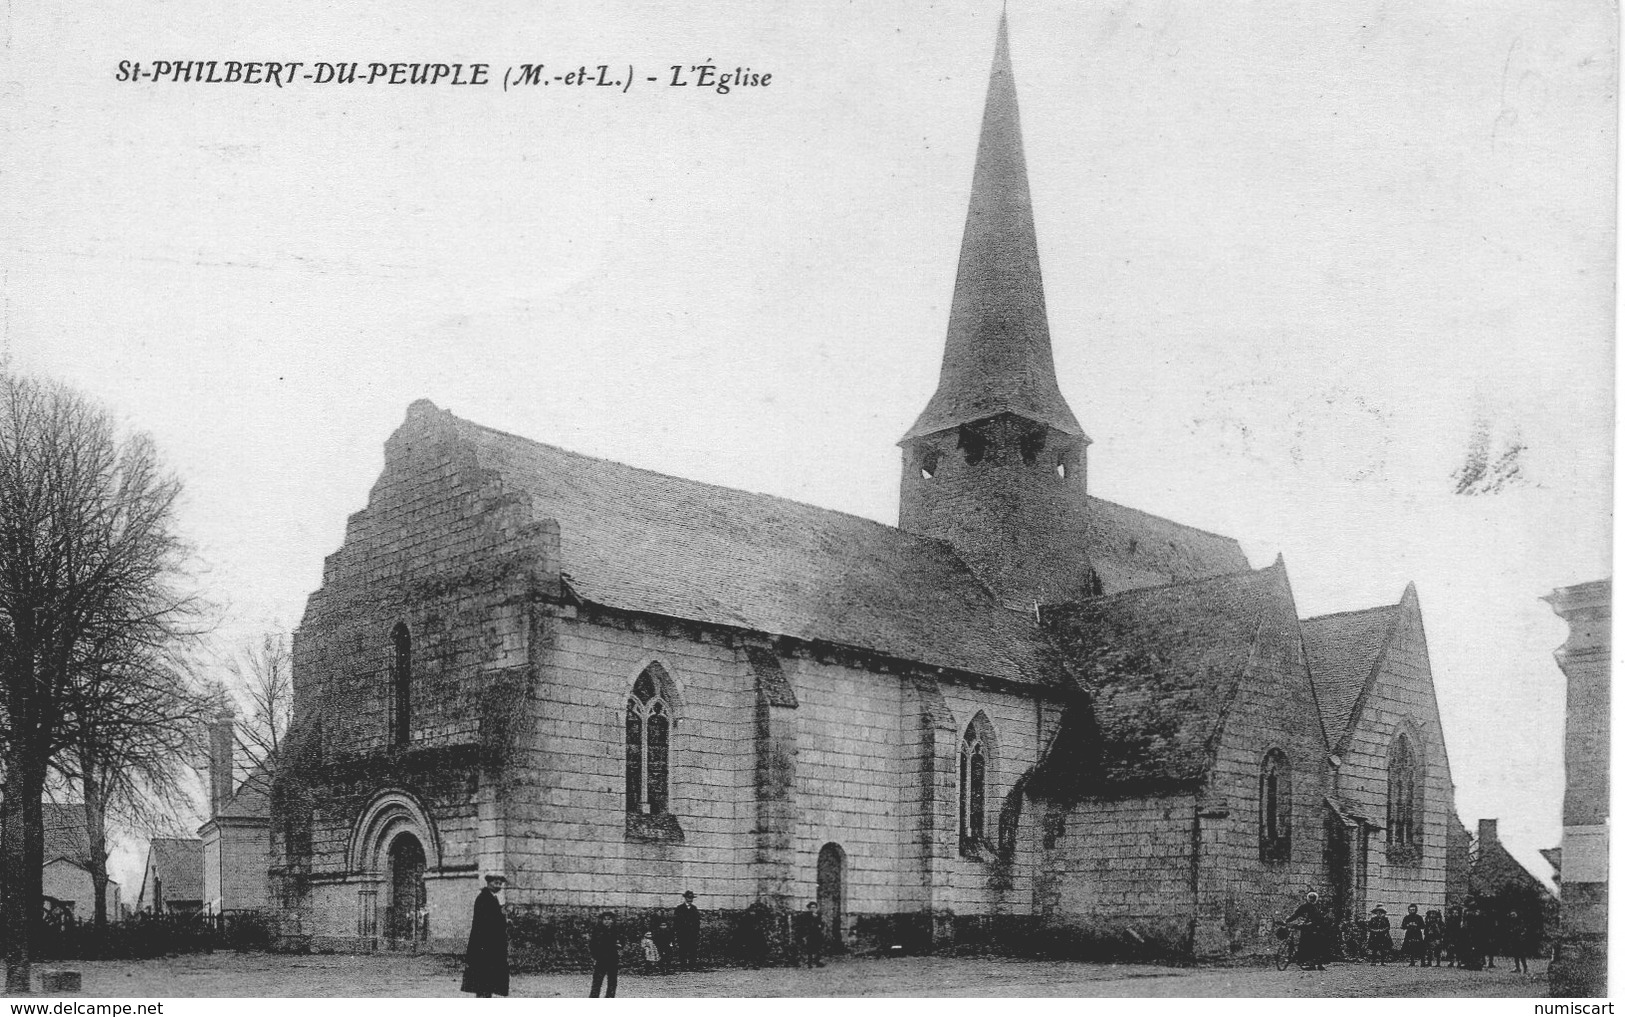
(253, 797)
(1343, 651)
(998, 357)
(1162, 664)
(1130, 549)
(179, 863)
(642, 541)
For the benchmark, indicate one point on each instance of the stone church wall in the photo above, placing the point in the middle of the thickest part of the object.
(1117, 876)
(1401, 699)
(568, 841)
(1241, 894)
(857, 774)
(983, 884)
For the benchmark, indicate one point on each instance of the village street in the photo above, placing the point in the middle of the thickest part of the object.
(225, 974)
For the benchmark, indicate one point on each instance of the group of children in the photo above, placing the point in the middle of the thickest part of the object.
(1469, 939)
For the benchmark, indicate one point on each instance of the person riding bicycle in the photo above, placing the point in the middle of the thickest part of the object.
(1311, 919)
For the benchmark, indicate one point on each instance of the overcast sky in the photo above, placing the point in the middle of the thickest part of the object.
(1297, 255)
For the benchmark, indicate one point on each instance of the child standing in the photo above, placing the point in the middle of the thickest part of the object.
(1380, 942)
(651, 953)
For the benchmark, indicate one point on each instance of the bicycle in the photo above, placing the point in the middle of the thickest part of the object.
(1289, 935)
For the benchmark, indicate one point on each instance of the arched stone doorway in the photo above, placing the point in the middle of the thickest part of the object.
(393, 850)
(407, 894)
(831, 892)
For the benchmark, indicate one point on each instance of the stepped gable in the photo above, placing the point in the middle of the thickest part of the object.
(1130, 549)
(1161, 666)
(1344, 652)
(636, 540)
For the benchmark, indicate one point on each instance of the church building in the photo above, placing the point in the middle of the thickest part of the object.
(1024, 716)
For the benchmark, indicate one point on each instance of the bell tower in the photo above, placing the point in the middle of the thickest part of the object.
(996, 464)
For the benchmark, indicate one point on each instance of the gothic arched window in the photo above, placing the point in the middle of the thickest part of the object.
(1403, 821)
(400, 677)
(1275, 808)
(648, 744)
(975, 760)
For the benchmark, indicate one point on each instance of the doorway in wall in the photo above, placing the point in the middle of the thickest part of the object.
(404, 918)
(831, 893)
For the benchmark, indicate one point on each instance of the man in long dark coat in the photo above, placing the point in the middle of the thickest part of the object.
(685, 920)
(758, 933)
(485, 973)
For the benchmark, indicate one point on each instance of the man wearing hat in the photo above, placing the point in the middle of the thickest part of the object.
(485, 970)
(685, 921)
(1381, 941)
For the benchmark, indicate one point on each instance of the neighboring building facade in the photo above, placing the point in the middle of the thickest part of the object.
(1580, 967)
(1025, 713)
(172, 880)
(67, 881)
(1499, 884)
(237, 837)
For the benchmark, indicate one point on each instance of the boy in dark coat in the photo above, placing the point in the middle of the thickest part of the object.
(809, 930)
(485, 973)
(604, 944)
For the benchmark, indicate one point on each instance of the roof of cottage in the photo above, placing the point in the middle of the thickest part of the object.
(252, 799)
(178, 861)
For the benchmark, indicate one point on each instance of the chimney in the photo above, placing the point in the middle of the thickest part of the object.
(1487, 833)
(222, 739)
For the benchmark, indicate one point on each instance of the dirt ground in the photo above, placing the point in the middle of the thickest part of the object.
(228, 974)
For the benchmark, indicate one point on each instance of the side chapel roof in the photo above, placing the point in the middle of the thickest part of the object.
(1344, 652)
(1161, 666)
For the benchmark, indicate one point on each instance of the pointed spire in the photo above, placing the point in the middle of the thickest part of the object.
(998, 357)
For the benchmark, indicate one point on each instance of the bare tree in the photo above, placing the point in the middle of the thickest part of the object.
(136, 722)
(89, 561)
(262, 685)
